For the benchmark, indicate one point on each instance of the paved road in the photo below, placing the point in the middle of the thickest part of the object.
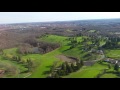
(89, 63)
(27, 75)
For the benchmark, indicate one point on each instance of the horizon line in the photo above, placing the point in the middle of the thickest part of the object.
(59, 21)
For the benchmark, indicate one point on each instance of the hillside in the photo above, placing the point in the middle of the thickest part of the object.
(72, 49)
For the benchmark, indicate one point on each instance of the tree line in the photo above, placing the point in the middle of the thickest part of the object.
(64, 69)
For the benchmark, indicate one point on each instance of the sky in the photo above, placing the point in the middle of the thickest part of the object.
(21, 17)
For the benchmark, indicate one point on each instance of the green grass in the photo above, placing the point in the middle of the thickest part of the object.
(46, 61)
(49, 58)
(113, 53)
(92, 30)
(6, 63)
(87, 72)
(102, 43)
(110, 75)
(79, 39)
(70, 52)
(11, 51)
(55, 39)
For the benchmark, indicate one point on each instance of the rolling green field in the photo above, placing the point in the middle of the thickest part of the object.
(43, 62)
(12, 66)
(46, 61)
(110, 75)
(55, 39)
(87, 72)
(113, 53)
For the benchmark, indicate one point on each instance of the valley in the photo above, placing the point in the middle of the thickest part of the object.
(74, 49)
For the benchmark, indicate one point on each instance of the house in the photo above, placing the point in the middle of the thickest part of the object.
(107, 60)
(100, 52)
(111, 60)
(35, 50)
(118, 62)
(93, 50)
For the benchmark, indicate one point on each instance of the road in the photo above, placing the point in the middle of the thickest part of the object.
(89, 63)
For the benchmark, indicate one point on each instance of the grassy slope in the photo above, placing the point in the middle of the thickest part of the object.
(110, 75)
(47, 60)
(64, 42)
(55, 39)
(87, 72)
(44, 61)
(8, 63)
(113, 53)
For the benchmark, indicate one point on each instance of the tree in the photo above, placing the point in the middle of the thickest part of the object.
(62, 72)
(56, 75)
(68, 68)
(109, 66)
(78, 65)
(63, 67)
(1, 51)
(59, 72)
(14, 58)
(81, 63)
(29, 64)
(19, 59)
(116, 67)
(72, 66)
(53, 67)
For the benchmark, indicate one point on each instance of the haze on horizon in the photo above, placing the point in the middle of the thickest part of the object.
(22, 17)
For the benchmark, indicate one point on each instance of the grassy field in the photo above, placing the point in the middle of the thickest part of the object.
(110, 75)
(87, 72)
(12, 66)
(55, 39)
(45, 61)
(102, 43)
(92, 31)
(113, 53)
(12, 51)
(48, 59)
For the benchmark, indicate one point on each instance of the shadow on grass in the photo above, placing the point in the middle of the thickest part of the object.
(108, 72)
(48, 71)
(26, 71)
(66, 50)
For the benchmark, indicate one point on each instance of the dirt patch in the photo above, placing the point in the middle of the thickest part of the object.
(89, 63)
(72, 59)
(2, 73)
(65, 58)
